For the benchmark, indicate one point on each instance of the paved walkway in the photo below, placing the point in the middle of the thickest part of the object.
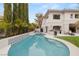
(4, 50)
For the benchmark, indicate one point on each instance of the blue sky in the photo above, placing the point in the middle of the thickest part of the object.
(35, 8)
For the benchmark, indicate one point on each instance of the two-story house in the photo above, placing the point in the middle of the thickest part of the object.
(61, 21)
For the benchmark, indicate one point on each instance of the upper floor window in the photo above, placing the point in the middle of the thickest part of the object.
(56, 16)
(71, 16)
(76, 15)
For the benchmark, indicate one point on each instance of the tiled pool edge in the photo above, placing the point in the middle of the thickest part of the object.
(74, 51)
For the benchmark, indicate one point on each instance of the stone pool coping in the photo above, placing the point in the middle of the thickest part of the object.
(74, 51)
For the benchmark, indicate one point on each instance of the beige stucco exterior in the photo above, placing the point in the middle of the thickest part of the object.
(63, 22)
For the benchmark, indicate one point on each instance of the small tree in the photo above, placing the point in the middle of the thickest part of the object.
(5, 27)
(31, 27)
(39, 19)
(21, 25)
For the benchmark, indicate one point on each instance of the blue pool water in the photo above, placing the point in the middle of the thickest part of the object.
(38, 45)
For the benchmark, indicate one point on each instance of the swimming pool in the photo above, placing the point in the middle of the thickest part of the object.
(38, 45)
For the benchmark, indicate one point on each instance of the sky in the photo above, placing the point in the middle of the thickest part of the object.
(35, 8)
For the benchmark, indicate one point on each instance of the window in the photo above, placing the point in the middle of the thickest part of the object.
(71, 16)
(56, 16)
(76, 15)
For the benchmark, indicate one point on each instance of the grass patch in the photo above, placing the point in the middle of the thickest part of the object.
(73, 39)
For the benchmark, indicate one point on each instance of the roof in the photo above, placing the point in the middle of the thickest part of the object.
(62, 11)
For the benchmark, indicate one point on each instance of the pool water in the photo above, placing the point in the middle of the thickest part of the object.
(38, 45)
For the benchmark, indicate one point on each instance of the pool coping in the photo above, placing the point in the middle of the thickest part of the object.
(74, 51)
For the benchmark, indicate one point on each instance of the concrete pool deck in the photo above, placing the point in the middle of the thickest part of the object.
(4, 50)
(74, 51)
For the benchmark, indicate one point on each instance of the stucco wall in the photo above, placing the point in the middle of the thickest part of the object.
(64, 21)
